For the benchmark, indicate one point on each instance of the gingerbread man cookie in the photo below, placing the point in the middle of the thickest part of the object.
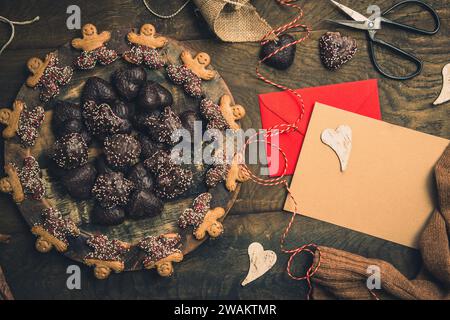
(143, 47)
(22, 122)
(203, 218)
(235, 174)
(161, 252)
(93, 48)
(22, 181)
(54, 231)
(107, 255)
(191, 73)
(198, 64)
(222, 116)
(11, 184)
(231, 113)
(48, 76)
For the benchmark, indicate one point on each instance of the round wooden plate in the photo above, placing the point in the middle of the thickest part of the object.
(131, 230)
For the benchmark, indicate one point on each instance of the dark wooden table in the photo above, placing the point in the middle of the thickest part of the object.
(215, 270)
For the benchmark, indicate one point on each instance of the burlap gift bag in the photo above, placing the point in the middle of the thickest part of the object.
(234, 20)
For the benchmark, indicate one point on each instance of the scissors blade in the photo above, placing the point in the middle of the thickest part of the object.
(361, 25)
(350, 12)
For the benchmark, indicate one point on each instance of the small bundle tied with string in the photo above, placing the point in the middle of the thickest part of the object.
(233, 20)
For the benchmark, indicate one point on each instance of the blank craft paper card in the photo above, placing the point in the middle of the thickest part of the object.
(386, 191)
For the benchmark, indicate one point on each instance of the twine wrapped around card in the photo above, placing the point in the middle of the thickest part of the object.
(234, 20)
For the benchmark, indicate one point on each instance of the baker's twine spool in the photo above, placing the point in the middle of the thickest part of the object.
(13, 29)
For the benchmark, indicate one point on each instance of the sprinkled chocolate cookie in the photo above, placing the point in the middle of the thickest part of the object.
(93, 46)
(171, 179)
(23, 122)
(100, 119)
(161, 251)
(181, 75)
(211, 112)
(112, 189)
(144, 47)
(216, 175)
(107, 255)
(162, 127)
(122, 151)
(203, 218)
(29, 122)
(48, 76)
(336, 50)
(172, 182)
(30, 178)
(105, 249)
(70, 151)
(54, 231)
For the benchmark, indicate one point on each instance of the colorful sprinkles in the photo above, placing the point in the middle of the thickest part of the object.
(57, 226)
(105, 249)
(159, 247)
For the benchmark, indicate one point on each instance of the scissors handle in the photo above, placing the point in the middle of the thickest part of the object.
(373, 42)
(430, 9)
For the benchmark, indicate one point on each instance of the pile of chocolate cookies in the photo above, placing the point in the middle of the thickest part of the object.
(131, 122)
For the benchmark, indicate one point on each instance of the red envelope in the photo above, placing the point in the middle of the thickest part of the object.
(282, 108)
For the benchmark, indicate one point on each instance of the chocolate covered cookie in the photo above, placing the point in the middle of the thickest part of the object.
(162, 127)
(153, 96)
(100, 120)
(79, 181)
(283, 59)
(172, 180)
(112, 189)
(98, 90)
(107, 216)
(140, 177)
(70, 151)
(128, 81)
(121, 151)
(143, 203)
(336, 50)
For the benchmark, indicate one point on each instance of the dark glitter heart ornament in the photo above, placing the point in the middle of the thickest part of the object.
(336, 50)
(283, 59)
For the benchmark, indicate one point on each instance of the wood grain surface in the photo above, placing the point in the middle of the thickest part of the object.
(216, 269)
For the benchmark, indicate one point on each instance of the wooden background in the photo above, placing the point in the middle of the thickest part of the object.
(215, 270)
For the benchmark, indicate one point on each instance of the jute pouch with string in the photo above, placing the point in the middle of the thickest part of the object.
(234, 20)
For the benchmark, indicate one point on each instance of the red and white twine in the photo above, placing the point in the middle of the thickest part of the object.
(279, 130)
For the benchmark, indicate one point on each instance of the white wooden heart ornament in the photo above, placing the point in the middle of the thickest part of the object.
(340, 140)
(444, 96)
(261, 261)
